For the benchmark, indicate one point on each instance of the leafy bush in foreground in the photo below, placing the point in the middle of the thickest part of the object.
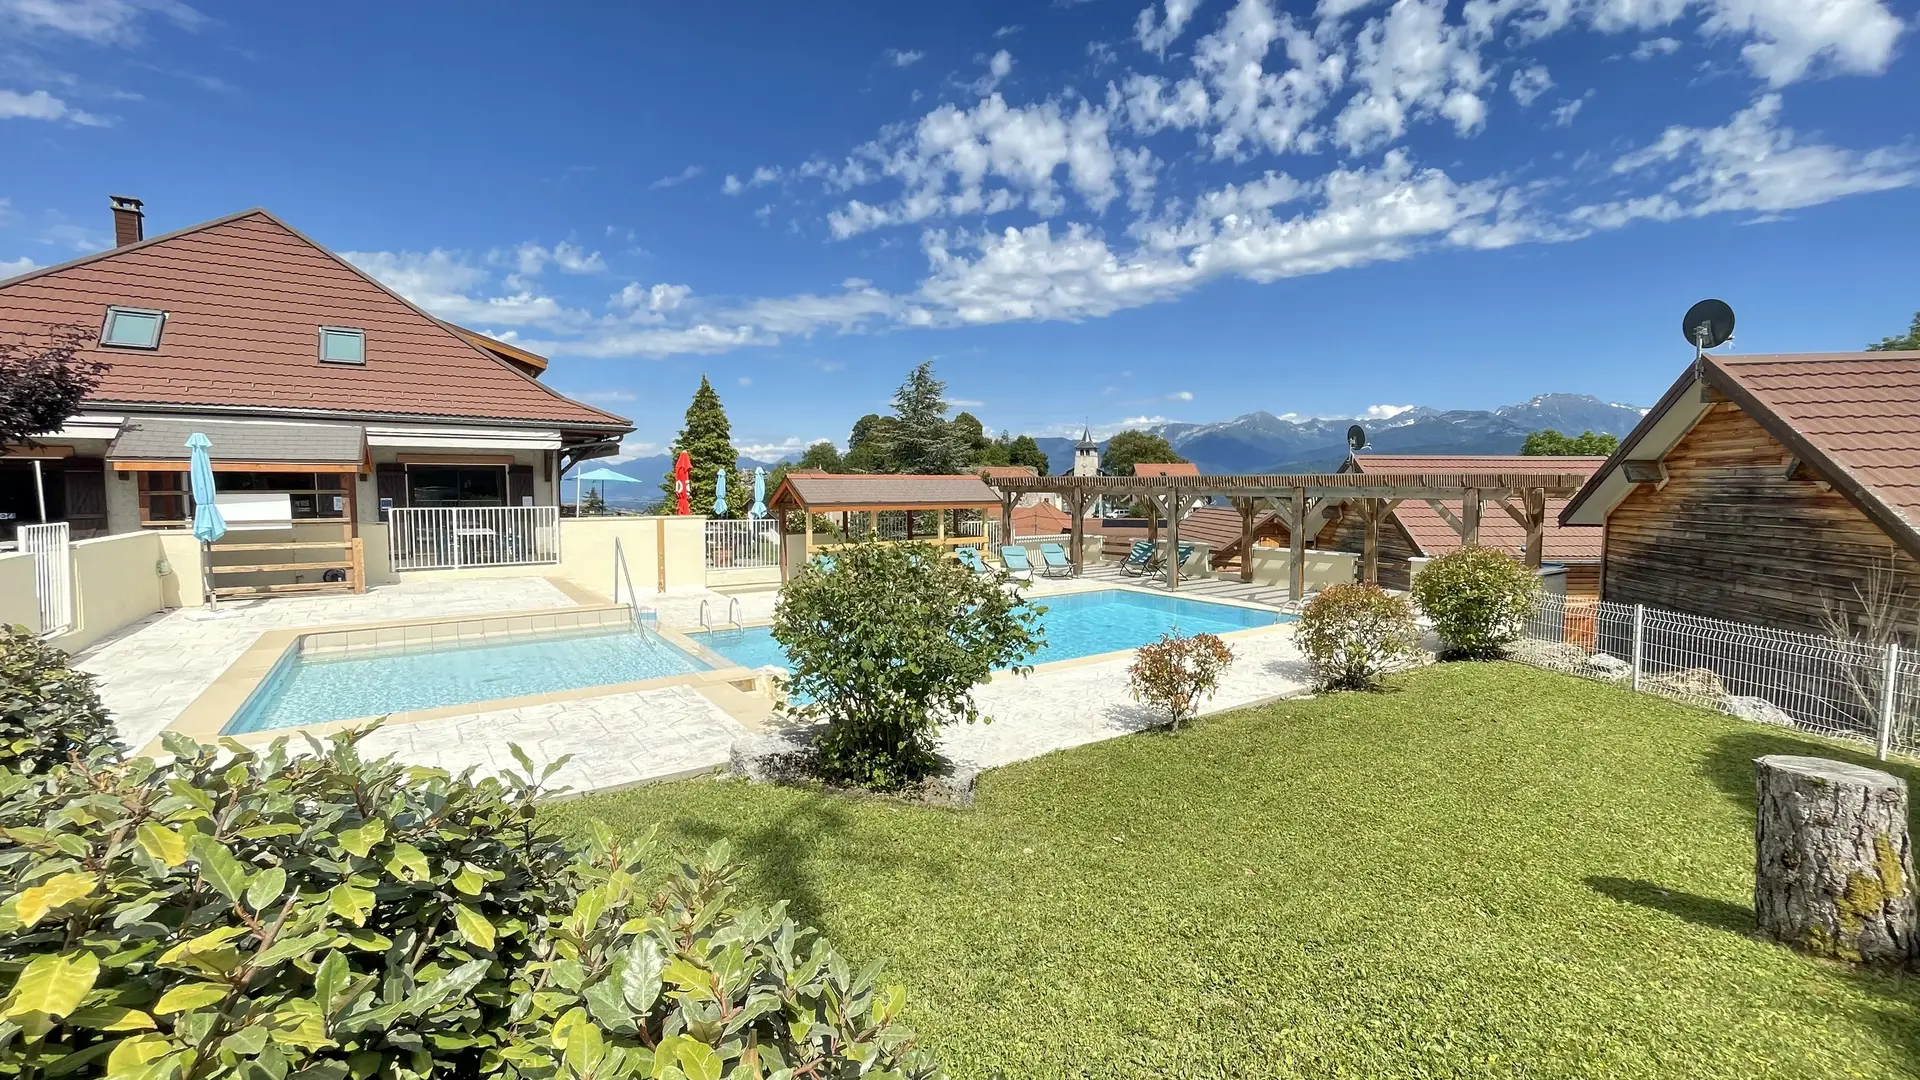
(1479, 600)
(49, 711)
(247, 914)
(1175, 673)
(1354, 634)
(887, 642)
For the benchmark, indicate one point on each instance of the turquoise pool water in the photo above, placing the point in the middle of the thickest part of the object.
(1076, 624)
(313, 690)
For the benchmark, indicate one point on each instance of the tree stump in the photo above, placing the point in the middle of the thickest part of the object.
(1833, 865)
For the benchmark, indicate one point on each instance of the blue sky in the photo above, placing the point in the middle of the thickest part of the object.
(1105, 210)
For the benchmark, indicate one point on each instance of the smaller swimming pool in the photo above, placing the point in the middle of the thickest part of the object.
(1076, 624)
(316, 689)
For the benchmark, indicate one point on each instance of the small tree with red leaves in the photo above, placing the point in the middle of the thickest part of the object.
(43, 379)
(1175, 674)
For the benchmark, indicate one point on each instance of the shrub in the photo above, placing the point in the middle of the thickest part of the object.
(245, 914)
(1354, 634)
(886, 644)
(1479, 600)
(49, 711)
(1175, 673)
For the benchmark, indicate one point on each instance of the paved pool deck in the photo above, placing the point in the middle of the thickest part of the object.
(152, 672)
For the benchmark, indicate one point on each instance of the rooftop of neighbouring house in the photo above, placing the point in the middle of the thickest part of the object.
(880, 491)
(1166, 468)
(247, 308)
(1431, 533)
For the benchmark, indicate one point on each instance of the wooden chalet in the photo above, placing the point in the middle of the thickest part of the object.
(1765, 489)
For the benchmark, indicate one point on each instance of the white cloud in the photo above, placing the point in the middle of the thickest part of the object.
(761, 177)
(444, 284)
(1655, 47)
(1180, 395)
(1008, 31)
(743, 381)
(1529, 83)
(605, 395)
(1412, 63)
(658, 298)
(1154, 34)
(678, 178)
(1385, 412)
(1255, 109)
(999, 66)
(1792, 37)
(1564, 112)
(965, 403)
(530, 259)
(14, 268)
(102, 22)
(904, 57)
(773, 451)
(41, 105)
(1751, 164)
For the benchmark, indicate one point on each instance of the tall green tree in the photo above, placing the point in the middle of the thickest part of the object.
(1550, 443)
(707, 438)
(1134, 447)
(1911, 340)
(823, 456)
(975, 444)
(922, 440)
(1025, 451)
(870, 445)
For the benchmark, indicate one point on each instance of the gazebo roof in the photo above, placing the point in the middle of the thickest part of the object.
(821, 492)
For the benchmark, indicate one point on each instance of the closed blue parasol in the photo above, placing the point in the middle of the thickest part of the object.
(759, 493)
(720, 493)
(208, 525)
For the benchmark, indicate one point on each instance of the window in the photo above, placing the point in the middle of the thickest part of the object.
(312, 495)
(163, 498)
(339, 345)
(132, 328)
(456, 485)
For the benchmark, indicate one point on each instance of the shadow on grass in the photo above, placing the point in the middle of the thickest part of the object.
(1729, 764)
(1700, 910)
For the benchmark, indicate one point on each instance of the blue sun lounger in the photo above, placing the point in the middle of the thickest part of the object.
(970, 558)
(1138, 559)
(1014, 558)
(1055, 558)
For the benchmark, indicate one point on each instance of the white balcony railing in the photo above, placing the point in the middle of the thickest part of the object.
(743, 545)
(453, 537)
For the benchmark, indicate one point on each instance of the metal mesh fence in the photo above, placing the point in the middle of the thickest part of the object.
(1829, 686)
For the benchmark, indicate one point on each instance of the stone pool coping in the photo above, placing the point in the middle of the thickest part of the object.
(216, 706)
(728, 685)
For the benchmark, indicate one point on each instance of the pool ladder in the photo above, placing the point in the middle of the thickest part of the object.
(733, 615)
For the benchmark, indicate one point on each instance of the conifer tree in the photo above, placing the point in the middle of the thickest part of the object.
(923, 441)
(707, 437)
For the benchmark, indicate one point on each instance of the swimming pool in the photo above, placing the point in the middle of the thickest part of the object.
(308, 689)
(1076, 624)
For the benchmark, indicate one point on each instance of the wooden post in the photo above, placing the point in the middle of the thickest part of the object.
(1536, 508)
(1006, 520)
(1246, 540)
(1370, 547)
(1297, 540)
(1173, 541)
(1833, 864)
(781, 531)
(660, 549)
(940, 524)
(1153, 517)
(807, 520)
(359, 557)
(1470, 518)
(1077, 529)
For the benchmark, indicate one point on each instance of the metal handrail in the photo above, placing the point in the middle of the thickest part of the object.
(734, 611)
(704, 624)
(620, 571)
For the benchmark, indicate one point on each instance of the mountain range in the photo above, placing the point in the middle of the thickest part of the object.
(1260, 442)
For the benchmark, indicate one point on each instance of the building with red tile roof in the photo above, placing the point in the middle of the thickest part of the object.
(281, 352)
(1777, 489)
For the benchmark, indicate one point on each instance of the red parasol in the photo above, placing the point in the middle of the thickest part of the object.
(682, 482)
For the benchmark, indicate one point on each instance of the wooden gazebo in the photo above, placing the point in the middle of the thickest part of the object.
(1303, 502)
(811, 494)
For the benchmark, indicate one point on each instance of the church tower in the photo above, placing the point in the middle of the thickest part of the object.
(1086, 455)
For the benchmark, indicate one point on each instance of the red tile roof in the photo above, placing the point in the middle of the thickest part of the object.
(245, 296)
(1169, 468)
(993, 472)
(1433, 536)
(822, 491)
(1041, 519)
(1859, 410)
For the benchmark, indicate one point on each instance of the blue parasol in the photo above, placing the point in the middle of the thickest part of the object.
(720, 493)
(208, 525)
(759, 493)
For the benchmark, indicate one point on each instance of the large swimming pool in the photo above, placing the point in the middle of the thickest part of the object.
(316, 689)
(1076, 624)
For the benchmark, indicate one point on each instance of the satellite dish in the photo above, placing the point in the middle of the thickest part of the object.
(1356, 438)
(1707, 324)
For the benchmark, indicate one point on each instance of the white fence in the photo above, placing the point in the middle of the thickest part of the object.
(452, 537)
(52, 574)
(1829, 686)
(743, 545)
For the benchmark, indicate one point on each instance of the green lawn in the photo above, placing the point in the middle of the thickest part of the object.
(1489, 871)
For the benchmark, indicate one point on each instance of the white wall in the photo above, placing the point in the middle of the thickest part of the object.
(19, 602)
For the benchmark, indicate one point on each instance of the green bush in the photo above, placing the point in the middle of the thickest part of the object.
(1354, 634)
(1175, 673)
(1479, 600)
(886, 642)
(49, 711)
(246, 914)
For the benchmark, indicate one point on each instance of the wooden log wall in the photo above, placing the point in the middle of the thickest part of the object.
(1347, 531)
(1731, 536)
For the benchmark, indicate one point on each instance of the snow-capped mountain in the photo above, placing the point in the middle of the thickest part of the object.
(1260, 442)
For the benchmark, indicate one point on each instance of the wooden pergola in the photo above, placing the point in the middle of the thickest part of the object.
(1302, 503)
(817, 493)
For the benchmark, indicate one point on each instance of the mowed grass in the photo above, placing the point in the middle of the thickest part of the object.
(1488, 871)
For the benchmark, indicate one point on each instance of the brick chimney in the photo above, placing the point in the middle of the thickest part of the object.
(129, 223)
